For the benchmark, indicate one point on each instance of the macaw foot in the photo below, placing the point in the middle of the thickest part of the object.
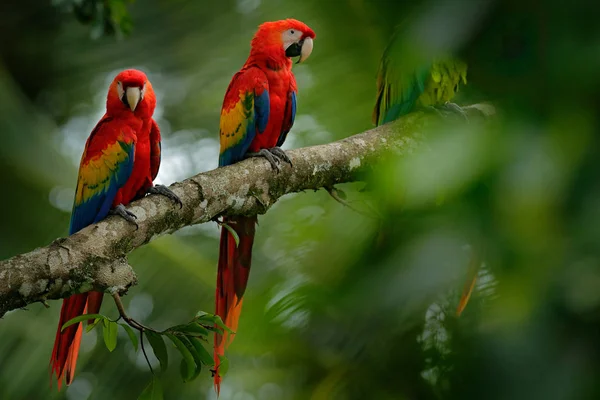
(273, 159)
(126, 214)
(454, 108)
(165, 191)
(277, 151)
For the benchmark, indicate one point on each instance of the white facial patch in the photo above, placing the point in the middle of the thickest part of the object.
(290, 37)
(120, 90)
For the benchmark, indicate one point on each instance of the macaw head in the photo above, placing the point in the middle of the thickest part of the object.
(279, 41)
(131, 92)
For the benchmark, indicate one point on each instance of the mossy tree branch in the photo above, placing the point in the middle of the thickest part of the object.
(95, 257)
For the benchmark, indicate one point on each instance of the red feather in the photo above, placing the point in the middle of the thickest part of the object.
(267, 59)
(155, 150)
(119, 125)
(232, 278)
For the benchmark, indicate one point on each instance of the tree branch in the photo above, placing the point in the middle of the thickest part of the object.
(95, 257)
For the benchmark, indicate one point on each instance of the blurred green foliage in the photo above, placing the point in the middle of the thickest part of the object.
(339, 306)
(106, 17)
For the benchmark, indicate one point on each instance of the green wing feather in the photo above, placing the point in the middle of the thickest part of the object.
(402, 84)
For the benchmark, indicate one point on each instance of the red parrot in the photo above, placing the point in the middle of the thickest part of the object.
(257, 114)
(120, 160)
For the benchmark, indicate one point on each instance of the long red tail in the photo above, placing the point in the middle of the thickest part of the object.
(232, 278)
(66, 343)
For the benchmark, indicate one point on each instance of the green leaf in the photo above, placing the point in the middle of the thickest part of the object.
(221, 324)
(160, 350)
(92, 325)
(197, 358)
(188, 372)
(153, 391)
(201, 314)
(223, 366)
(203, 354)
(183, 369)
(81, 318)
(110, 334)
(207, 318)
(233, 233)
(191, 329)
(132, 335)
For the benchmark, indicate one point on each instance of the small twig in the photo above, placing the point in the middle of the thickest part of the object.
(144, 350)
(130, 321)
(333, 192)
(135, 325)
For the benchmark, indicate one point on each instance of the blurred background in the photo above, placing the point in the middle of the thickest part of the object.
(339, 305)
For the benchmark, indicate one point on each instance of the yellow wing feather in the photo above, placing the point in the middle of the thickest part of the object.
(234, 121)
(443, 82)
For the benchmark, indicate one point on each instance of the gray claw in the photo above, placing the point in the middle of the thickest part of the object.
(435, 110)
(455, 108)
(273, 159)
(277, 151)
(447, 109)
(125, 214)
(165, 191)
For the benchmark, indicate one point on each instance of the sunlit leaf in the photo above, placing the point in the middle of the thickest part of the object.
(110, 334)
(223, 366)
(92, 325)
(132, 335)
(201, 314)
(82, 318)
(158, 346)
(153, 391)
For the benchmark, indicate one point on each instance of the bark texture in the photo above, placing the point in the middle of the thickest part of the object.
(96, 257)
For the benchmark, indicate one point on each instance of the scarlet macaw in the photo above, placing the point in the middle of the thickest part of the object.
(120, 160)
(258, 112)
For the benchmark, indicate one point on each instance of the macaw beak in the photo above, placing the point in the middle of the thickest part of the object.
(302, 48)
(307, 47)
(132, 97)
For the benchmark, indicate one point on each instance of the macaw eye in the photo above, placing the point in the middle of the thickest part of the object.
(292, 31)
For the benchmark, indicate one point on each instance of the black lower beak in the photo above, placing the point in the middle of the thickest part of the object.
(124, 100)
(295, 49)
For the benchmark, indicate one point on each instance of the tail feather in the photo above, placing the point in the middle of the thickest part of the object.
(67, 342)
(232, 278)
(469, 284)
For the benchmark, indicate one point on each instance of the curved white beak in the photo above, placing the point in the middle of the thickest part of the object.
(307, 47)
(133, 97)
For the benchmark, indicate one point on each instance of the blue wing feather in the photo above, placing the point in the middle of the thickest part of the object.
(290, 115)
(261, 110)
(248, 116)
(97, 191)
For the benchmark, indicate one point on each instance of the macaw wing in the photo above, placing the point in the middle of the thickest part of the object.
(290, 112)
(397, 89)
(155, 149)
(245, 113)
(105, 166)
(447, 74)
